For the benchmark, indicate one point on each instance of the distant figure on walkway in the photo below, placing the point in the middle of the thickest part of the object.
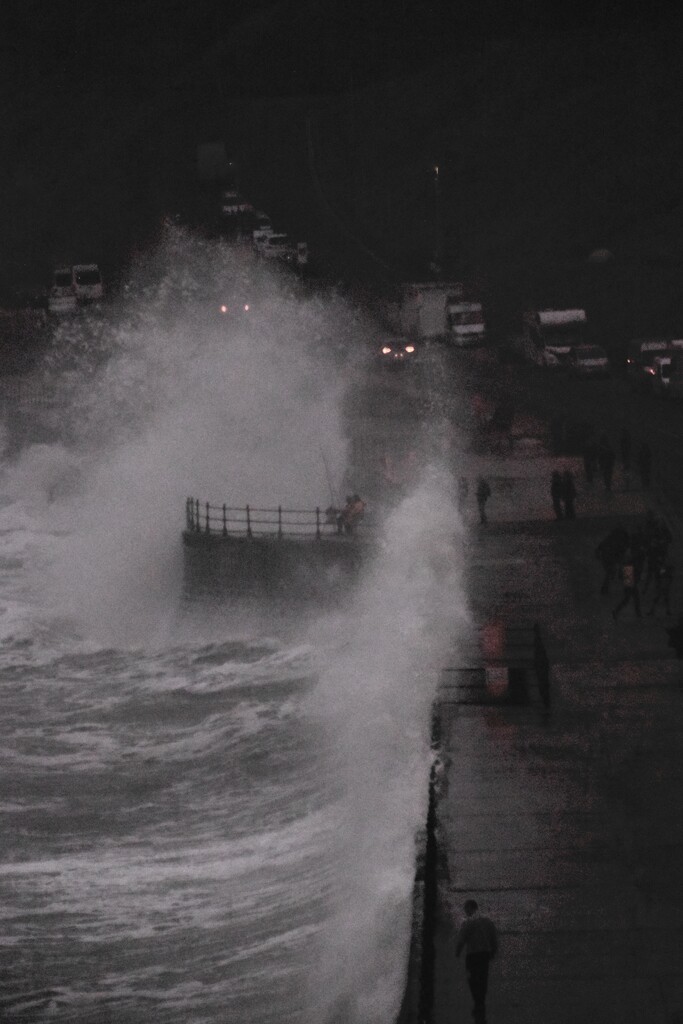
(463, 493)
(610, 552)
(568, 494)
(630, 593)
(556, 493)
(483, 495)
(590, 459)
(645, 465)
(606, 459)
(663, 582)
(658, 537)
(541, 667)
(479, 939)
(351, 514)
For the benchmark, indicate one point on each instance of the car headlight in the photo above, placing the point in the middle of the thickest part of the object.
(386, 350)
(410, 348)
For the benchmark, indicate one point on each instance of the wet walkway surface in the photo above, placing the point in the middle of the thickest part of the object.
(566, 826)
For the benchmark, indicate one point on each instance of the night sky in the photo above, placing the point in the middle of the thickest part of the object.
(556, 129)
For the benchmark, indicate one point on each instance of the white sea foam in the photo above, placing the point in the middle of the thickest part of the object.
(248, 795)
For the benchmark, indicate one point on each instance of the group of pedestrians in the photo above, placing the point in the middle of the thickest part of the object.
(641, 558)
(600, 458)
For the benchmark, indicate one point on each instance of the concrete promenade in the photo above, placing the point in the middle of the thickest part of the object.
(567, 826)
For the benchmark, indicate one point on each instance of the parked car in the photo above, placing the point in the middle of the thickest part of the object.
(396, 351)
(263, 228)
(640, 357)
(660, 373)
(278, 247)
(88, 284)
(61, 298)
(589, 361)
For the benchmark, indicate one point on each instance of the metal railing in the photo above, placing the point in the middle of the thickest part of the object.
(231, 521)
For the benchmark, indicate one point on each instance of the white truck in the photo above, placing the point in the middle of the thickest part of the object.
(549, 335)
(440, 309)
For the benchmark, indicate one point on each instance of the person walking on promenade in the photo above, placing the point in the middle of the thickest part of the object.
(568, 494)
(478, 937)
(606, 460)
(663, 582)
(541, 667)
(658, 538)
(630, 593)
(610, 552)
(645, 465)
(483, 495)
(556, 493)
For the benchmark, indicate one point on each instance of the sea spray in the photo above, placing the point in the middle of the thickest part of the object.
(377, 684)
(247, 797)
(166, 397)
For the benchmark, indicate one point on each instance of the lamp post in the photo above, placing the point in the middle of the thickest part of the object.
(436, 259)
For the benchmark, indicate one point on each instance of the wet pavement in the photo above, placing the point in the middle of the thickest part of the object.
(565, 825)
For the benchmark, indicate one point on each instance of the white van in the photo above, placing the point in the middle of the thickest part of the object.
(589, 361)
(61, 298)
(87, 283)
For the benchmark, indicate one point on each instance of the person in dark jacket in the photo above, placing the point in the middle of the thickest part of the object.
(631, 593)
(663, 582)
(610, 552)
(478, 937)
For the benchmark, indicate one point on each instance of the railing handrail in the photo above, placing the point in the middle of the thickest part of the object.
(247, 521)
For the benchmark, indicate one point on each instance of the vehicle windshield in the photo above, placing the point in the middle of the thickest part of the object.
(63, 280)
(563, 334)
(468, 317)
(88, 277)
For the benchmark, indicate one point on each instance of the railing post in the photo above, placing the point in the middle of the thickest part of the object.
(225, 522)
(196, 515)
(279, 522)
(208, 519)
(189, 510)
(317, 523)
(248, 523)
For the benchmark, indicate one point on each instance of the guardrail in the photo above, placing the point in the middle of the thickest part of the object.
(230, 521)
